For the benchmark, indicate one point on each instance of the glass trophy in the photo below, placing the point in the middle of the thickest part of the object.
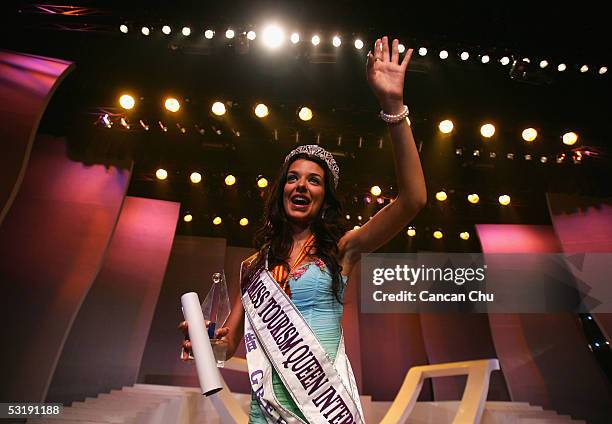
(216, 309)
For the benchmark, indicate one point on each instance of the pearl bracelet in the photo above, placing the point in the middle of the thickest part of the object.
(394, 119)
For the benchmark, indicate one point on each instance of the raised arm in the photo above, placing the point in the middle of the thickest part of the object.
(385, 74)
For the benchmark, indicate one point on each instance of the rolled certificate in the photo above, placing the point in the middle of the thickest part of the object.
(206, 365)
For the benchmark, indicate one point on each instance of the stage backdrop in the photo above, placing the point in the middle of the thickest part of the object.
(52, 245)
(545, 357)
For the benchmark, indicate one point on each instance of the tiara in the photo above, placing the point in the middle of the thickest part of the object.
(321, 153)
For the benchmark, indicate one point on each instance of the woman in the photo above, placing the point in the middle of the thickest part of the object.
(291, 306)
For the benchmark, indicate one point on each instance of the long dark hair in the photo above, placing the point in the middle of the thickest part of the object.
(275, 239)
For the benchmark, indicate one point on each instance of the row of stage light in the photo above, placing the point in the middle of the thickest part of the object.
(261, 110)
(274, 36)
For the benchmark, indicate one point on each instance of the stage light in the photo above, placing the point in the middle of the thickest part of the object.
(315, 40)
(262, 182)
(229, 33)
(273, 36)
(186, 31)
(492, 155)
(123, 28)
(459, 152)
(441, 196)
(217, 220)
(504, 200)
(305, 114)
(195, 177)
(487, 130)
(161, 174)
(358, 44)
(476, 153)
(251, 35)
(295, 38)
(145, 30)
(218, 108)
(543, 159)
(465, 56)
(464, 235)
(543, 64)
(172, 104)
(347, 217)
(510, 156)
(356, 227)
(188, 218)
(602, 70)
(473, 198)
(244, 222)
(527, 157)
(584, 69)
(166, 29)
(261, 110)
(230, 180)
(562, 67)
(209, 34)
(438, 234)
(367, 199)
(359, 217)
(336, 41)
(570, 138)
(443, 54)
(126, 101)
(526, 60)
(143, 125)
(530, 134)
(411, 232)
(422, 51)
(380, 200)
(446, 126)
(375, 190)
(125, 124)
(401, 48)
(485, 58)
(504, 60)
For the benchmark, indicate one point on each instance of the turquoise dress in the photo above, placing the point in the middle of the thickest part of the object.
(312, 294)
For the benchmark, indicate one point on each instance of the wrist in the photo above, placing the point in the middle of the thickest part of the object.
(392, 107)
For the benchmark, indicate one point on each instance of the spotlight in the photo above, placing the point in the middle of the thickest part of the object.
(188, 218)
(543, 159)
(543, 64)
(244, 222)
(422, 51)
(441, 196)
(359, 217)
(527, 157)
(336, 41)
(465, 56)
(375, 190)
(161, 174)
(358, 44)
(356, 227)
(126, 101)
(273, 36)
(262, 182)
(195, 177)
(485, 58)
(570, 138)
(347, 217)
(443, 54)
(380, 201)
(510, 156)
(295, 38)
(584, 69)
(464, 235)
(229, 33)
(209, 34)
(529, 134)
(487, 130)
(446, 126)
(473, 198)
(186, 31)
(504, 200)
(459, 152)
(504, 60)
(145, 30)
(602, 70)
(305, 114)
(123, 28)
(562, 67)
(218, 108)
(251, 35)
(316, 40)
(476, 153)
(526, 60)
(438, 234)
(172, 104)
(411, 232)
(492, 155)
(166, 30)
(401, 48)
(367, 199)
(261, 110)
(217, 220)
(230, 180)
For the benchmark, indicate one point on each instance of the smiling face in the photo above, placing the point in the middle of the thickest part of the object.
(304, 191)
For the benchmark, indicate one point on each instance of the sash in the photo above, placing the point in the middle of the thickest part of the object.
(277, 335)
